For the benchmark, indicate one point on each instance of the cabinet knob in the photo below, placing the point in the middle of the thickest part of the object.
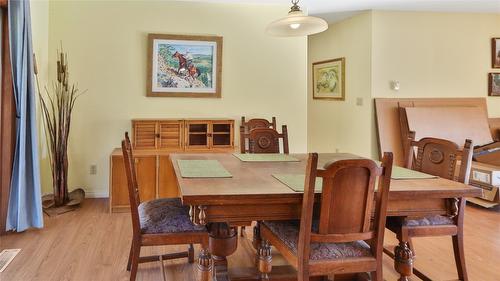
(158, 135)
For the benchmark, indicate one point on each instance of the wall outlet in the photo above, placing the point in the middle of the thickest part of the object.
(359, 101)
(93, 169)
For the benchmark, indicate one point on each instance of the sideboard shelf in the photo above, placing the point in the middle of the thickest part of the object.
(153, 140)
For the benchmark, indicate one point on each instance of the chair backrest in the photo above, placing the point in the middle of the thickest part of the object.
(250, 125)
(133, 188)
(264, 140)
(348, 201)
(258, 123)
(439, 157)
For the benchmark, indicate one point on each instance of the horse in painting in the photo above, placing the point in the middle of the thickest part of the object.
(193, 71)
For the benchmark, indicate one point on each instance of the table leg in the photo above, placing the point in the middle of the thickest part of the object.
(403, 261)
(223, 240)
(256, 240)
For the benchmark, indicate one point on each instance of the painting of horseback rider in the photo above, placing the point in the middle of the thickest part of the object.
(184, 65)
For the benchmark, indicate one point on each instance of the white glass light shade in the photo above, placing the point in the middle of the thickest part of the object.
(297, 24)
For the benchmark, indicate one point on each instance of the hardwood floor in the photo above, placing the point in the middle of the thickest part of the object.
(92, 244)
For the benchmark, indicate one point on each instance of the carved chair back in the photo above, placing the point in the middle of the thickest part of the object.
(348, 201)
(133, 188)
(439, 157)
(264, 140)
(258, 123)
(250, 125)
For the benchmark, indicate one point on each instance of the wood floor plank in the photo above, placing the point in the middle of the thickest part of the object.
(92, 244)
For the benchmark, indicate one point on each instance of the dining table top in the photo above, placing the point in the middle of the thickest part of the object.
(254, 180)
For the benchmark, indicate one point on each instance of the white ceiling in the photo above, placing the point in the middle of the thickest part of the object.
(335, 10)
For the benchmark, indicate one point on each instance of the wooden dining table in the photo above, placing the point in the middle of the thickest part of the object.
(253, 194)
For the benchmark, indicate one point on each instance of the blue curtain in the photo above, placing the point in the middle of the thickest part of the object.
(25, 206)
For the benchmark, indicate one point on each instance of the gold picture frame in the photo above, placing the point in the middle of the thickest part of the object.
(494, 84)
(495, 52)
(184, 66)
(328, 79)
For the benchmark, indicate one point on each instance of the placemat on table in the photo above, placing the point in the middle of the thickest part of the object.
(202, 169)
(296, 181)
(400, 173)
(265, 157)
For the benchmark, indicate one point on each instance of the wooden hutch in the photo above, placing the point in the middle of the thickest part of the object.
(153, 140)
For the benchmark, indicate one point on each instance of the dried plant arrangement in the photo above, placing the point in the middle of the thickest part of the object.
(56, 104)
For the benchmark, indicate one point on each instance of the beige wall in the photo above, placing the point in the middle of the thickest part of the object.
(40, 32)
(342, 125)
(107, 44)
(431, 54)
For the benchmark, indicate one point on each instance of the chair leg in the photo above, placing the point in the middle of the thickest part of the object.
(205, 265)
(265, 260)
(412, 248)
(377, 275)
(191, 253)
(458, 251)
(136, 253)
(129, 262)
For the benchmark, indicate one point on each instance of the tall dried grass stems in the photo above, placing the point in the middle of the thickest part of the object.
(57, 104)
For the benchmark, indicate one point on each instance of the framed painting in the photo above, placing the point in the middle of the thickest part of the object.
(494, 84)
(184, 66)
(495, 52)
(329, 79)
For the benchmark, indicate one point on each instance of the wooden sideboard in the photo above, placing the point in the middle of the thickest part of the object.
(153, 141)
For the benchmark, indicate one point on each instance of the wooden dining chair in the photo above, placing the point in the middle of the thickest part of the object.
(253, 124)
(264, 140)
(344, 239)
(441, 158)
(258, 123)
(161, 222)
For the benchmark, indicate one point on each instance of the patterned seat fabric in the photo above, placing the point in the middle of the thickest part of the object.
(288, 232)
(428, 221)
(166, 215)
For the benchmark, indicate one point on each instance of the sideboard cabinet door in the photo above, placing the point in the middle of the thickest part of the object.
(119, 190)
(146, 177)
(171, 135)
(167, 182)
(145, 134)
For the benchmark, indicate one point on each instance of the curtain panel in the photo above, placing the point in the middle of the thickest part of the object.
(25, 206)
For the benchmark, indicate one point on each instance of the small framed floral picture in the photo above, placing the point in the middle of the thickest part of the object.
(494, 84)
(329, 79)
(495, 52)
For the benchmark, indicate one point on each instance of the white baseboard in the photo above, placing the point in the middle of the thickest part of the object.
(96, 194)
(92, 194)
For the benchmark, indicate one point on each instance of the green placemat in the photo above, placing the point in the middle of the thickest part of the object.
(265, 157)
(296, 182)
(399, 173)
(202, 169)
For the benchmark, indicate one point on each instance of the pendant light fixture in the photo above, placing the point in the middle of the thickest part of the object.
(296, 24)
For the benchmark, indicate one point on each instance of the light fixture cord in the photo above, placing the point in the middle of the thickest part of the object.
(295, 7)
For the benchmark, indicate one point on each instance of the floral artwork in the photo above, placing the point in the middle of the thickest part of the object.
(495, 53)
(328, 79)
(494, 84)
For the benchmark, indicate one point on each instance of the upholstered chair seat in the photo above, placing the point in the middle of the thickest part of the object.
(428, 221)
(166, 215)
(288, 232)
